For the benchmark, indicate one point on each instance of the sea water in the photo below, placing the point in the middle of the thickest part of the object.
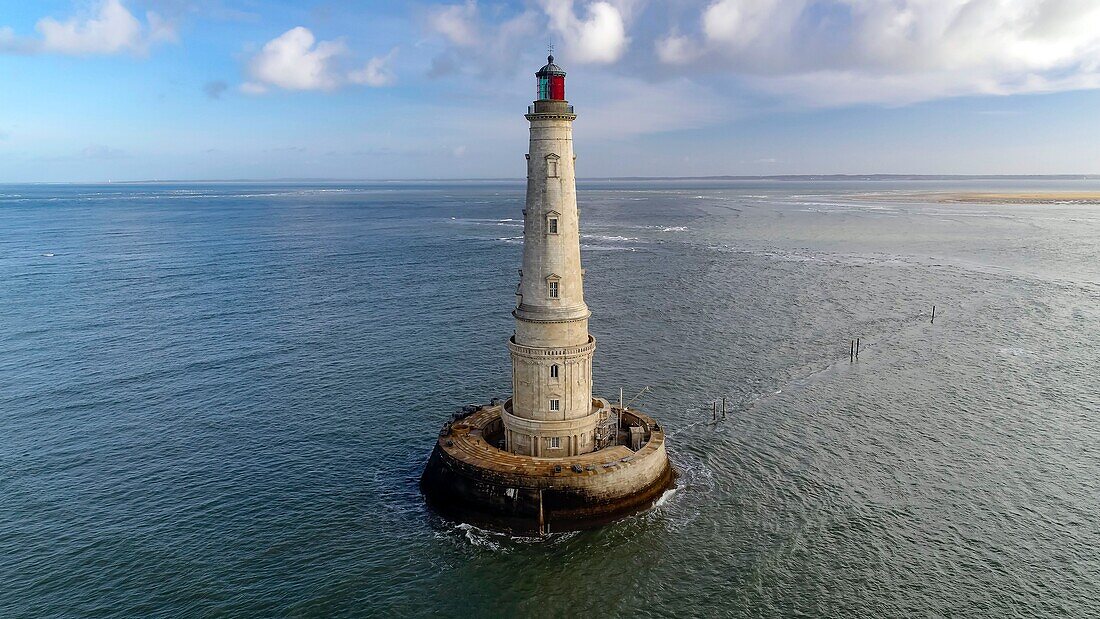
(216, 399)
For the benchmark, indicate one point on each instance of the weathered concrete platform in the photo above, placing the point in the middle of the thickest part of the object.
(470, 479)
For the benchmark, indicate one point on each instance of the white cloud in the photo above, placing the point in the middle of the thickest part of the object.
(593, 33)
(458, 23)
(850, 51)
(296, 60)
(110, 29)
(487, 47)
(676, 49)
(376, 72)
(600, 38)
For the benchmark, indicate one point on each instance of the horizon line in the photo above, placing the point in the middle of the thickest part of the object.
(732, 177)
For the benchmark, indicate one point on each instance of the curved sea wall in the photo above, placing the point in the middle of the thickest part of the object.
(471, 480)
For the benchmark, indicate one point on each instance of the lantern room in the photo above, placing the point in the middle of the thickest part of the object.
(551, 81)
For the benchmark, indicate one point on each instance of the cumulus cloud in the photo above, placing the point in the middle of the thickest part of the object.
(599, 37)
(296, 60)
(110, 29)
(850, 51)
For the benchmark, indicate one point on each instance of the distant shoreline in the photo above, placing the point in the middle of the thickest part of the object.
(774, 177)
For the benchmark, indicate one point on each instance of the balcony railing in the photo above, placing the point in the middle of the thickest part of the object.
(550, 107)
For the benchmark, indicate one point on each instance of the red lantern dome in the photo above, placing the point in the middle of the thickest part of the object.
(551, 81)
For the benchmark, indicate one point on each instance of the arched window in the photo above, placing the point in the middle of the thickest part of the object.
(554, 371)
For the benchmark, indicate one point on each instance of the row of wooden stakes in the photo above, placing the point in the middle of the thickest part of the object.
(853, 352)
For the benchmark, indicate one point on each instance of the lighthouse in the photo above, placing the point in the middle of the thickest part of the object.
(551, 413)
(552, 457)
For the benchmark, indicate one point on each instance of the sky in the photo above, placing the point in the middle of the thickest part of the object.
(98, 90)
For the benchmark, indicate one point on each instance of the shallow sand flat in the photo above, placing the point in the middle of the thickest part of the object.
(975, 197)
(1056, 197)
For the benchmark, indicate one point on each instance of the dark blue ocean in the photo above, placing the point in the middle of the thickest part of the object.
(216, 400)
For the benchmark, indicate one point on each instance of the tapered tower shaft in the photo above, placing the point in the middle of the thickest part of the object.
(551, 413)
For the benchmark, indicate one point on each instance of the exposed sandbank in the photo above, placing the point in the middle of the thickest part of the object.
(1052, 197)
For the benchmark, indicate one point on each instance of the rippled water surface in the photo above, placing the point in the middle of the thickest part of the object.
(215, 400)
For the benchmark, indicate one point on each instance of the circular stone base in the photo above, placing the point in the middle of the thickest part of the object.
(470, 480)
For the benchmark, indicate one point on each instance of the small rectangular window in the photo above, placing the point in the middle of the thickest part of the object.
(555, 405)
(555, 442)
(553, 290)
(553, 225)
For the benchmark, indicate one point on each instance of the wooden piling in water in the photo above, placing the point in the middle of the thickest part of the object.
(542, 521)
(857, 348)
(933, 314)
(723, 407)
(852, 353)
(714, 411)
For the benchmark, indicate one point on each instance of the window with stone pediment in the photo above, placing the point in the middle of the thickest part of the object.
(553, 219)
(555, 405)
(553, 287)
(552, 165)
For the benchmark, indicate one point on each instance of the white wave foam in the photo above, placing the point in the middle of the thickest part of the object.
(665, 496)
(481, 538)
(600, 237)
(587, 247)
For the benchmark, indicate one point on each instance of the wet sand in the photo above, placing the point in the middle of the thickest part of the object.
(1061, 197)
(976, 197)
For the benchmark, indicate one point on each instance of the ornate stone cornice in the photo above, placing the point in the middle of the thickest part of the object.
(556, 352)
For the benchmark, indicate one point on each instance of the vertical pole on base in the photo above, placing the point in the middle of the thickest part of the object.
(619, 421)
(542, 529)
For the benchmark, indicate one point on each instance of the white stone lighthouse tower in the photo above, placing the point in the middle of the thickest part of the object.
(569, 460)
(552, 412)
